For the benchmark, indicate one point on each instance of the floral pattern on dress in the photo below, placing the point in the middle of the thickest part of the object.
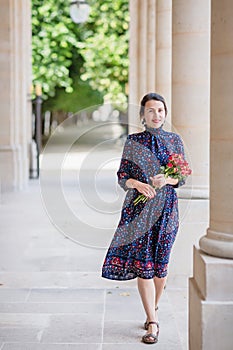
(143, 240)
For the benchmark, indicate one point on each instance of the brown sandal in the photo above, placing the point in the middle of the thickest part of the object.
(146, 324)
(155, 337)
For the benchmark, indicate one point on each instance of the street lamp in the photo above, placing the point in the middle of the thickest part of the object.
(79, 11)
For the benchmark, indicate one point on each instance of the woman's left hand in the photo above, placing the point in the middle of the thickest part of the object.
(158, 181)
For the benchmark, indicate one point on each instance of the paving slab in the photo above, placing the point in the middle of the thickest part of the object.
(52, 308)
(182, 327)
(141, 346)
(13, 295)
(131, 332)
(22, 334)
(36, 346)
(66, 295)
(123, 305)
(61, 279)
(126, 324)
(24, 320)
(124, 312)
(22, 327)
(73, 329)
(178, 299)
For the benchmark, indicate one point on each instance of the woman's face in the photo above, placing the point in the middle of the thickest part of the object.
(154, 114)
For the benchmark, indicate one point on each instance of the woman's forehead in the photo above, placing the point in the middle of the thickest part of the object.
(154, 104)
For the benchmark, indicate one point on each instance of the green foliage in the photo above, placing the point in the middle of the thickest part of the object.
(105, 49)
(83, 97)
(54, 39)
(97, 50)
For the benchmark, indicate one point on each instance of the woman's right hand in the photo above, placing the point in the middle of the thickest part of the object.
(145, 189)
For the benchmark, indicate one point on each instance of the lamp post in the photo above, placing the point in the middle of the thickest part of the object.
(38, 102)
(79, 11)
(36, 135)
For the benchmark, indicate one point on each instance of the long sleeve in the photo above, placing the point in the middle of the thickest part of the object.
(124, 172)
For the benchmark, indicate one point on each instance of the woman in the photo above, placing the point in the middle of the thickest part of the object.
(146, 232)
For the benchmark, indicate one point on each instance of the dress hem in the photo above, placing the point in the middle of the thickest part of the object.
(116, 278)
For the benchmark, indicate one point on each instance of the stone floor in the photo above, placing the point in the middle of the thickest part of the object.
(51, 294)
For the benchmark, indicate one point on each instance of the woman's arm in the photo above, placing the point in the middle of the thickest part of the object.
(142, 187)
(159, 180)
(170, 181)
(124, 171)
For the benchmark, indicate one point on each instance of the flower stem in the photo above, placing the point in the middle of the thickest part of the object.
(140, 198)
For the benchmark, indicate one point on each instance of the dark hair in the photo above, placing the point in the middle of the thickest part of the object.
(151, 96)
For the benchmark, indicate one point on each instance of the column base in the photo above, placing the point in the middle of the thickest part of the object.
(13, 165)
(194, 192)
(217, 244)
(210, 303)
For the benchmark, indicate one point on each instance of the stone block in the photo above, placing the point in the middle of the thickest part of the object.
(213, 276)
(195, 329)
(210, 322)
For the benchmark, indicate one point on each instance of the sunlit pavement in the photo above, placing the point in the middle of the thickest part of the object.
(53, 241)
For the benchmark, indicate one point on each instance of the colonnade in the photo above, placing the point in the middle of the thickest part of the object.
(149, 51)
(171, 53)
(194, 72)
(211, 288)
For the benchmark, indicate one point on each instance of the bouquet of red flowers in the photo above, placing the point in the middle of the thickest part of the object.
(176, 168)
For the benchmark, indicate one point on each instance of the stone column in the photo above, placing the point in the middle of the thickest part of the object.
(190, 86)
(150, 53)
(15, 77)
(164, 53)
(211, 288)
(219, 238)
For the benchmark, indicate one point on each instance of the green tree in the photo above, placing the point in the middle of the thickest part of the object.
(97, 50)
(54, 40)
(105, 49)
(82, 97)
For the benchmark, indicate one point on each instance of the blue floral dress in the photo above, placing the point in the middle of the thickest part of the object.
(142, 243)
